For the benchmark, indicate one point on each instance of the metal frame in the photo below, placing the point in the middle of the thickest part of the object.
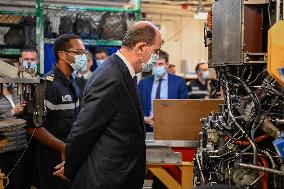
(41, 5)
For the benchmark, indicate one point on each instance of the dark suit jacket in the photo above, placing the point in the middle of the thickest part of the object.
(176, 90)
(106, 146)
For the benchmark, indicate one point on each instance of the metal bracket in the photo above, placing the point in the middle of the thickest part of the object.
(255, 2)
(162, 154)
(255, 58)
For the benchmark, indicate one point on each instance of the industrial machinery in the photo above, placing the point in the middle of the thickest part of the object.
(242, 144)
(29, 87)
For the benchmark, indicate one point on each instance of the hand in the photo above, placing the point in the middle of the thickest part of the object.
(60, 171)
(19, 108)
(149, 120)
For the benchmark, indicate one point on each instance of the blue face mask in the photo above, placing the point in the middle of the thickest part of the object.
(99, 62)
(80, 62)
(159, 71)
(205, 75)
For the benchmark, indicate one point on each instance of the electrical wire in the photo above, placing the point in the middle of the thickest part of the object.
(22, 155)
(257, 77)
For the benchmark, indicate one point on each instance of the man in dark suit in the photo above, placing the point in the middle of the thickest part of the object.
(161, 85)
(106, 146)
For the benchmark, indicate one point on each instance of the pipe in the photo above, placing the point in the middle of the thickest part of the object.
(280, 121)
(199, 167)
(264, 183)
(246, 143)
(249, 166)
(277, 10)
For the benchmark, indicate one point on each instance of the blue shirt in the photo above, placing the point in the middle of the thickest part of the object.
(164, 89)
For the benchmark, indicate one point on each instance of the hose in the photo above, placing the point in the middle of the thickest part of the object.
(237, 124)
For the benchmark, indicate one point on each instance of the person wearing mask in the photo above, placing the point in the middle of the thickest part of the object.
(62, 104)
(11, 107)
(161, 85)
(101, 54)
(29, 58)
(172, 69)
(83, 75)
(200, 87)
(106, 145)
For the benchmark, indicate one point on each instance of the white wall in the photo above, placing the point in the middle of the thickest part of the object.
(183, 39)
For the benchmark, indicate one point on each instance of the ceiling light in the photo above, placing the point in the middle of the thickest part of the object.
(200, 13)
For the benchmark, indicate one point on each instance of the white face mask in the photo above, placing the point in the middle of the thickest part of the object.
(146, 67)
(29, 64)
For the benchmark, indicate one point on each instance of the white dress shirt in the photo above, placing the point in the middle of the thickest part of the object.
(129, 66)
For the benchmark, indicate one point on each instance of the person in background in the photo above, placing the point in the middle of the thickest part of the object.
(11, 107)
(62, 104)
(29, 57)
(161, 85)
(101, 54)
(83, 75)
(172, 69)
(200, 87)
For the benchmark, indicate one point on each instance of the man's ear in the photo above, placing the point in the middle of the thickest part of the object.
(140, 47)
(61, 54)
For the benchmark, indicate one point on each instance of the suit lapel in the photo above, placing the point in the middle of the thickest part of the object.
(129, 83)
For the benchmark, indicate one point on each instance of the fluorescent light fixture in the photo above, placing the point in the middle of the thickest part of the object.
(201, 15)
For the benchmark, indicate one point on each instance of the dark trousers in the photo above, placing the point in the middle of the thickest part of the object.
(46, 160)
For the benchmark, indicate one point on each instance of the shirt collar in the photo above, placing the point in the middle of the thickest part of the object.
(128, 65)
(85, 75)
(165, 77)
(59, 74)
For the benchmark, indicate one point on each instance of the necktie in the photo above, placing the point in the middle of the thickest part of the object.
(158, 92)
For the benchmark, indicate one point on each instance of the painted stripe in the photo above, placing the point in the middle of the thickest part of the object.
(51, 106)
(198, 92)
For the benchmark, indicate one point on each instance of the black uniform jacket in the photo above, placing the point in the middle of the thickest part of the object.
(106, 146)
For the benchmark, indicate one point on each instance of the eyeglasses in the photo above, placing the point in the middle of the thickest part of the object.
(77, 52)
(156, 51)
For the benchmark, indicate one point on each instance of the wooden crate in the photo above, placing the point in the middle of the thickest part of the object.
(180, 119)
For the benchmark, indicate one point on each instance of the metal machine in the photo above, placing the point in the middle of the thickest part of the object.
(30, 89)
(242, 144)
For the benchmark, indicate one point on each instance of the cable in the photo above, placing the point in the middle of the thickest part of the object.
(253, 129)
(257, 77)
(239, 126)
(22, 155)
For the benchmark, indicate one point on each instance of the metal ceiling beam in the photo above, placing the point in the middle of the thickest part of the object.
(105, 3)
(177, 2)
